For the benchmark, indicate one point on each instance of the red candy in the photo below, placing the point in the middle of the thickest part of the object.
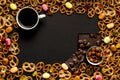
(8, 41)
(45, 7)
(98, 77)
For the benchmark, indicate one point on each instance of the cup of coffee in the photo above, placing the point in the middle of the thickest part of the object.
(28, 18)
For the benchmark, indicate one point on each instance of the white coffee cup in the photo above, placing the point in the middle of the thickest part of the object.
(28, 18)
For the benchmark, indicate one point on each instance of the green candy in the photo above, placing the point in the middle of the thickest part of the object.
(107, 39)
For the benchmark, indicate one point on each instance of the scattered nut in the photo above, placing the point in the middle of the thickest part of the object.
(107, 39)
(5, 61)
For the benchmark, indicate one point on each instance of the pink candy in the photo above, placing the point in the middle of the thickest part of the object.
(45, 7)
(98, 77)
(8, 41)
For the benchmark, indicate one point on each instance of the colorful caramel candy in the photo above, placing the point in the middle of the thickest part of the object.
(45, 7)
(46, 75)
(113, 48)
(64, 66)
(118, 45)
(13, 69)
(9, 29)
(98, 77)
(110, 25)
(13, 6)
(107, 39)
(101, 16)
(68, 5)
(8, 41)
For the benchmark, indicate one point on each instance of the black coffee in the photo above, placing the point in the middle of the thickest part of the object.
(28, 17)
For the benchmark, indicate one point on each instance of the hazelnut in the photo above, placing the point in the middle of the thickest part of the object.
(71, 64)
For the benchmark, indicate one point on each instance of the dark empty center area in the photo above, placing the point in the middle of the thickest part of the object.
(55, 38)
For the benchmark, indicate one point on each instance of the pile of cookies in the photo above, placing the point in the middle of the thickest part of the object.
(108, 12)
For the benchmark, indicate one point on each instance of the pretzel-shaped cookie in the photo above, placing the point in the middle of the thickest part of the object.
(101, 25)
(62, 8)
(83, 67)
(19, 72)
(80, 10)
(54, 8)
(33, 2)
(84, 76)
(28, 67)
(54, 73)
(41, 1)
(2, 22)
(47, 68)
(1, 10)
(13, 60)
(69, 11)
(10, 77)
(39, 66)
(38, 8)
(15, 37)
(61, 1)
(107, 70)
(91, 12)
(26, 1)
(2, 2)
(114, 77)
(109, 11)
(3, 69)
(39, 76)
(65, 75)
(56, 66)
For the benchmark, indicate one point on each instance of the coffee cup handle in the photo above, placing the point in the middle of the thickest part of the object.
(41, 16)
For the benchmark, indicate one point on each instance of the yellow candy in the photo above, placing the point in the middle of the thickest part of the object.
(68, 5)
(46, 75)
(13, 6)
(34, 73)
(118, 45)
